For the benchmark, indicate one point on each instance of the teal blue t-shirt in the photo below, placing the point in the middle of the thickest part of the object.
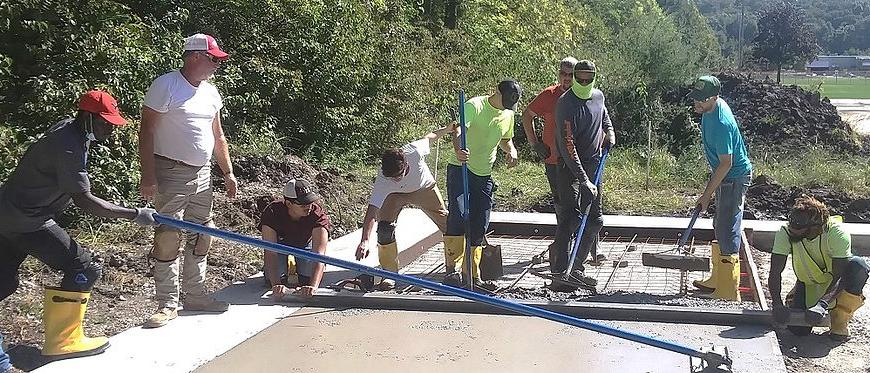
(720, 135)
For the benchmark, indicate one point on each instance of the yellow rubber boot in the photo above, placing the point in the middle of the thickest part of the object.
(62, 318)
(709, 285)
(847, 303)
(728, 283)
(454, 248)
(477, 254)
(291, 265)
(388, 256)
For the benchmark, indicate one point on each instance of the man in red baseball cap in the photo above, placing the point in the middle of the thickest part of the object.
(52, 173)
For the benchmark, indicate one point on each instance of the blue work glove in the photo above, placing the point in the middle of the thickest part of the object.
(815, 314)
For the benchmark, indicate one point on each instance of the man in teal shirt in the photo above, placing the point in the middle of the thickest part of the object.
(732, 172)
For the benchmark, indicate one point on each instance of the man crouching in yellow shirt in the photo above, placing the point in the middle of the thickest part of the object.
(829, 278)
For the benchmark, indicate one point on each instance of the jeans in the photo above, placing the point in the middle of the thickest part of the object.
(304, 267)
(728, 219)
(480, 200)
(5, 363)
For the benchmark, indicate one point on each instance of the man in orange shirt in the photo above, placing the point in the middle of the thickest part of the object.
(544, 106)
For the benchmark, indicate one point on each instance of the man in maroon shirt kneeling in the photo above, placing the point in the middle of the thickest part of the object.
(298, 221)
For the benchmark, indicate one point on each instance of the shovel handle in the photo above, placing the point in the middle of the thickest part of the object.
(688, 231)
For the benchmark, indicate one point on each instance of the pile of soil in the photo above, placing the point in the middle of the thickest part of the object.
(778, 116)
(767, 200)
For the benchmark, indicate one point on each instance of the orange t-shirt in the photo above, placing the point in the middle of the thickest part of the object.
(544, 105)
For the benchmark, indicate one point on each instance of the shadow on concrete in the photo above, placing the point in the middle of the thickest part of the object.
(811, 346)
(744, 332)
(27, 358)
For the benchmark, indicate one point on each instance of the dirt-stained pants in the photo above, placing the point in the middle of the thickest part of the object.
(183, 192)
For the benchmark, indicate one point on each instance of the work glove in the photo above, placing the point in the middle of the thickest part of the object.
(815, 314)
(145, 216)
(587, 194)
(542, 150)
(781, 314)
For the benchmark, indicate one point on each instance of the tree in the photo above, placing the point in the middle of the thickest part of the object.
(784, 37)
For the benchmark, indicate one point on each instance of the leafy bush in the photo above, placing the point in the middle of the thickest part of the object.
(336, 81)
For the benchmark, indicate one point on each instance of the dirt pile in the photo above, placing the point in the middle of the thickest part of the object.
(790, 116)
(767, 200)
(261, 181)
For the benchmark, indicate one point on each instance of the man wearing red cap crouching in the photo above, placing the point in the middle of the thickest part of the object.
(181, 129)
(52, 172)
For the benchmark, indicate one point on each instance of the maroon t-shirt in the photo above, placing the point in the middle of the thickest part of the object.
(295, 233)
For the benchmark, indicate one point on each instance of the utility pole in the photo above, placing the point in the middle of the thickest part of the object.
(740, 37)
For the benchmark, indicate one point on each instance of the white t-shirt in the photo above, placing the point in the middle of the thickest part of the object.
(418, 176)
(184, 132)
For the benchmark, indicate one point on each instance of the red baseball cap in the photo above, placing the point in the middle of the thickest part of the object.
(102, 103)
(206, 43)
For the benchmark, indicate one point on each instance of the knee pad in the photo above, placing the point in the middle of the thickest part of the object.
(386, 232)
(167, 243)
(83, 280)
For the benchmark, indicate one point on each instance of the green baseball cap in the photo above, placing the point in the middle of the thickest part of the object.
(705, 87)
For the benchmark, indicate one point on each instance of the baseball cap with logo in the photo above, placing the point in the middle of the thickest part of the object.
(300, 192)
(103, 104)
(205, 43)
(705, 87)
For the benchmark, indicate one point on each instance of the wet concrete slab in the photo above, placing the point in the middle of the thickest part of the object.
(319, 340)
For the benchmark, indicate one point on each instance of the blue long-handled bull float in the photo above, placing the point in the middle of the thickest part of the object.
(464, 205)
(712, 358)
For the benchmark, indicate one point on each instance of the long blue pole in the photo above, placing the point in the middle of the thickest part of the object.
(492, 301)
(688, 230)
(585, 218)
(468, 262)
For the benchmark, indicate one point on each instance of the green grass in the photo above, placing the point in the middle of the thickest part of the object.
(816, 166)
(674, 183)
(833, 88)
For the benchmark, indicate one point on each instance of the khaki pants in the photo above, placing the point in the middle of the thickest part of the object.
(427, 199)
(183, 192)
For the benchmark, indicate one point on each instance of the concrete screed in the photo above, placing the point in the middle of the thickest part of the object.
(252, 336)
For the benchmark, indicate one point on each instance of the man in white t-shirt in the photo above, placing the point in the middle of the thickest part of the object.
(404, 179)
(181, 130)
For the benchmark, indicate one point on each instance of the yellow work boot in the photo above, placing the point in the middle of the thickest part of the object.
(709, 285)
(454, 248)
(728, 283)
(62, 318)
(847, 303)
(477, 254)
(388, 256)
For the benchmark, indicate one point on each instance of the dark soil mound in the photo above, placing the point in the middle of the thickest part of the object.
(768, 200)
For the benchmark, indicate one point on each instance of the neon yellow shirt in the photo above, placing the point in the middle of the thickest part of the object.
(486, 126)
(812, 259)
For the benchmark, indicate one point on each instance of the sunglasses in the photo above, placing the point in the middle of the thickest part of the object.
(211, 58)
(583, 81)
(565, 73)
(704, 100)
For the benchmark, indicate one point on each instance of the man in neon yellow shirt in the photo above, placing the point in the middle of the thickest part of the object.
(489, 121)
(829, 277)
